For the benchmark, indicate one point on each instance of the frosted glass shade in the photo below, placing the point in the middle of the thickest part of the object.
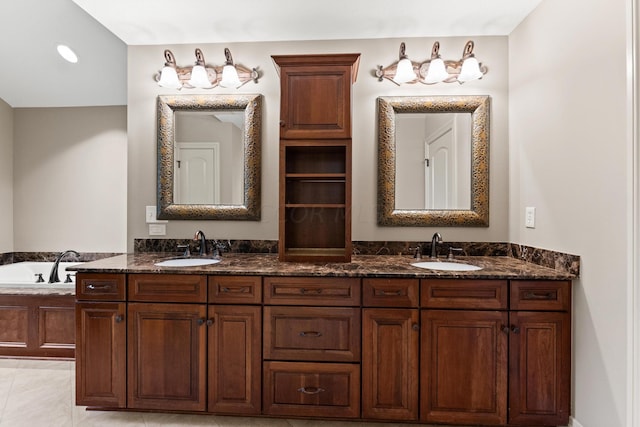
(404, 72)
(230, 77)
(169, 78)
(437, 71)
(470, 70)
(199, 77)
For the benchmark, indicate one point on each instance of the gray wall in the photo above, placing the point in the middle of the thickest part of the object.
(570, 149)
(145, 61)
(6, 177)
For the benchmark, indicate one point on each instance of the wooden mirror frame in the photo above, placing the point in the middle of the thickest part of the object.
(478, 214)
(166, 108)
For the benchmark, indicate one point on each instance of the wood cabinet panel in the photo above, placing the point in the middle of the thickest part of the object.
(14, 324)
(326, 291)
(56, 327)
(390, 292)
(101, 370)
(235, 289)
(544, 295)
(311, 389)
(464, 294)
(464, 367)
(100, 286)
(539, 368)
(167, 288)
(234, 362)
(312, 333)
(167, 356)
(390, 340)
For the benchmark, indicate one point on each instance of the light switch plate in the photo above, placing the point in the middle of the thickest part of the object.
(530, 217)
(151, 216)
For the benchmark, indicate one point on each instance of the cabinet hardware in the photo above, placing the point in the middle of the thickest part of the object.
(241, 290)
(415, 327)
(505, 329)
(201, 322)
(539, 295)
(93, 287)
(515, 329)
(209, 322)
(311, 390)
(119, 318)
(310, 334)
(305, 291)
(382, 292)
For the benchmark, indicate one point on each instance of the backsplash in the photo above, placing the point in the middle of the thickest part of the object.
(556, 260)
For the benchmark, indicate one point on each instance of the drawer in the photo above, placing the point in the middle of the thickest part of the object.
(467, 294)
(168, 288)
(390, 292)
(331, 291)
(235, 289)
(312, 333)
(540, 295)
(311, 389)
(100, 287)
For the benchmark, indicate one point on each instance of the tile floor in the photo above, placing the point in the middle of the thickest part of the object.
(40, 393)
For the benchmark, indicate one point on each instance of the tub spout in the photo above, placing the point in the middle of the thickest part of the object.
(53, 276)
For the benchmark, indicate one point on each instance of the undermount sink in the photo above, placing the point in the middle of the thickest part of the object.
(446, 266)
(186, 262)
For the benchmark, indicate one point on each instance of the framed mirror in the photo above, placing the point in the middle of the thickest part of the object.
(433, 161)
(209, 156)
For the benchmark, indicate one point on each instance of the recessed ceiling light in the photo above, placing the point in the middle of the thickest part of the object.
(68, 54)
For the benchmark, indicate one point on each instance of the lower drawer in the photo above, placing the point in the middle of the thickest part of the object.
(311, 389)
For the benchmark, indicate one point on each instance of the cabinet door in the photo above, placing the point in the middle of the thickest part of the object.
(390, 364)
(101, 354)
(235, 359)
(167, 356)
(539, 368)
(463, 375)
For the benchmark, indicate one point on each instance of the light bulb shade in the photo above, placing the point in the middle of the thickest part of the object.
(230, 77)
(169, 78)
(199, 77)
(404, 72)
(470, 70)
(436, 72)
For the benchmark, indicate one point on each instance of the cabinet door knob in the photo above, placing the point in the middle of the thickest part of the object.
(119, 318)
(201, 322)
(505, 329)
(209, 322)
(310, 390)
(281, 123)
(415, 327)
(515, 329)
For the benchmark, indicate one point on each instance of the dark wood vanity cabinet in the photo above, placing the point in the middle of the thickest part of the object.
(437, 351)
(315, 156)
(101, 340)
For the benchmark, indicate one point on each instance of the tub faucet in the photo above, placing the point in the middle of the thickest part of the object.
(437, 238)
(203, 242)
(53, 276)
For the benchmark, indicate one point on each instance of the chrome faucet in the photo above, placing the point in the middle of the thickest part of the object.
(437, 238)
(203, 242)
(53, 276)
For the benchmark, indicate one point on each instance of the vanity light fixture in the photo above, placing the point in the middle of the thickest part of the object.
(203, 76)
(435, 69)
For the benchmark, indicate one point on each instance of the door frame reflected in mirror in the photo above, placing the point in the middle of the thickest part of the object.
(167, 106)
(478, 214)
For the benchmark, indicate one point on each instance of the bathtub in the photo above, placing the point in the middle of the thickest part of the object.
(26, 274)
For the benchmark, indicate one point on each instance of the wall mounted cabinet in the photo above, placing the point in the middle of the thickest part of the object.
(315, 156)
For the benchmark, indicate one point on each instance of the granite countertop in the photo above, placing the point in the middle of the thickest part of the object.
(45, 289)
(493, 267)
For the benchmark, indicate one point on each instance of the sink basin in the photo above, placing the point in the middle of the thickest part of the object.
(186, 262)
(446, 266)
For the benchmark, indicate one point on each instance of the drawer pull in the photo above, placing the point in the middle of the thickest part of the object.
(93, 287)
(310, 334)
(239, 290)
(540, 295)
(305, 291)
(311, 390)
(382, 292)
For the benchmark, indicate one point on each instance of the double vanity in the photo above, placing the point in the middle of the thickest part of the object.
(375, 339)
